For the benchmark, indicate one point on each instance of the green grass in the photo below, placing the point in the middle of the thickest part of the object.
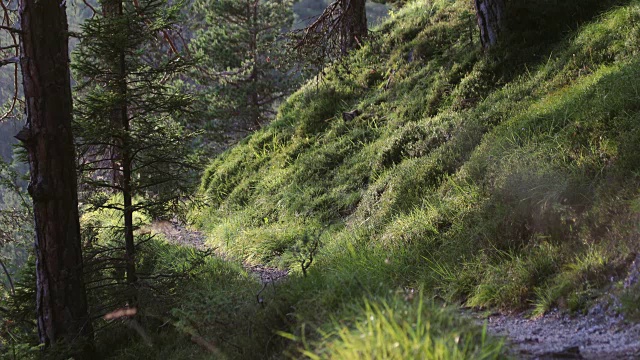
(403, 327)
(506, 179)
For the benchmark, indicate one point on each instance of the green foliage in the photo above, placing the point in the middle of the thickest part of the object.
(163, 270)
(580, 282)
(630, 299)
(133, 107)
(506, 180)
(130, 127)
(16, 223)
(242, 70)
(18, 330)
(513, 281)
(403, 328)
(494, 179)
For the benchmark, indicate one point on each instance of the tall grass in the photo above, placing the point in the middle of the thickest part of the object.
(403, 328)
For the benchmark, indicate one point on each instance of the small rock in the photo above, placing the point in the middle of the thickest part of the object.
(634, 273)
(568, 353)
(410, 56)
(350, 115)
(594, 329)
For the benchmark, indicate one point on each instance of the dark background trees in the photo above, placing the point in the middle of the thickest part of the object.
(308, 10)
(241, 70)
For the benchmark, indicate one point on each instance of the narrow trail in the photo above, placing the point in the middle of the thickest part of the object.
(179, 234)
(603, 333)
(599, 335)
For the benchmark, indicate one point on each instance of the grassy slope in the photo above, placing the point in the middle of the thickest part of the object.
(507, 179)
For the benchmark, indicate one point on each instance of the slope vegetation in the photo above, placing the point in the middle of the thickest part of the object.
(505, 179)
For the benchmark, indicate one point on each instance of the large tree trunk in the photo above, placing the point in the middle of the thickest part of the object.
(490, 18)
(61, 298)
(354, 23)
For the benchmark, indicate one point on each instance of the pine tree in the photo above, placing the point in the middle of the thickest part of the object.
(240, 60)
(129, 135)
(62, 315)
(341, 27)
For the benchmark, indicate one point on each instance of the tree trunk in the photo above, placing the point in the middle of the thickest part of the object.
(61, 299)
(127, 192)
(122, 152)
(489, 15)
(253, 48)
(354, 23)
(113, 9)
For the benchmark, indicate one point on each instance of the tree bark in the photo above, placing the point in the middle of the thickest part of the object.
(61, 298)
(113, 9)
(253, 48)
(354, 23)
(490, 18)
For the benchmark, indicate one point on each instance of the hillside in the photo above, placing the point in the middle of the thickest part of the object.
(422, 175)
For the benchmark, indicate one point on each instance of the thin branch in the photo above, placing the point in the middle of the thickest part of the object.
(14, 39)
(90, 7)
(4, 268)
(10, 29)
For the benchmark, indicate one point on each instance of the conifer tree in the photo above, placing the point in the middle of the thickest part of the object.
(131, 141)
(341, 27)
(61, 309)
(241, 73)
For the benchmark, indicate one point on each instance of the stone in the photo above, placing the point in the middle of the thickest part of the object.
(350, 115)
(634, 273)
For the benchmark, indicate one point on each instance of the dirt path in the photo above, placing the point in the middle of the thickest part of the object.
(600, 335)
(180, 234)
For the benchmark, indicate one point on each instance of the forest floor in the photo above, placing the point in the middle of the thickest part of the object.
(601, 334)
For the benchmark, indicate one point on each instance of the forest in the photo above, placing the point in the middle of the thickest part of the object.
(320, 179)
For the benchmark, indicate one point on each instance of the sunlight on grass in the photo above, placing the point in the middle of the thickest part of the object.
(403, 328)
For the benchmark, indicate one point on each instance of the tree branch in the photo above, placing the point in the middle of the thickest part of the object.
(11, 60)
(10, 29)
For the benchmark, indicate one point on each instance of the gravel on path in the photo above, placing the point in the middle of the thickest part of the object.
(599, 335)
